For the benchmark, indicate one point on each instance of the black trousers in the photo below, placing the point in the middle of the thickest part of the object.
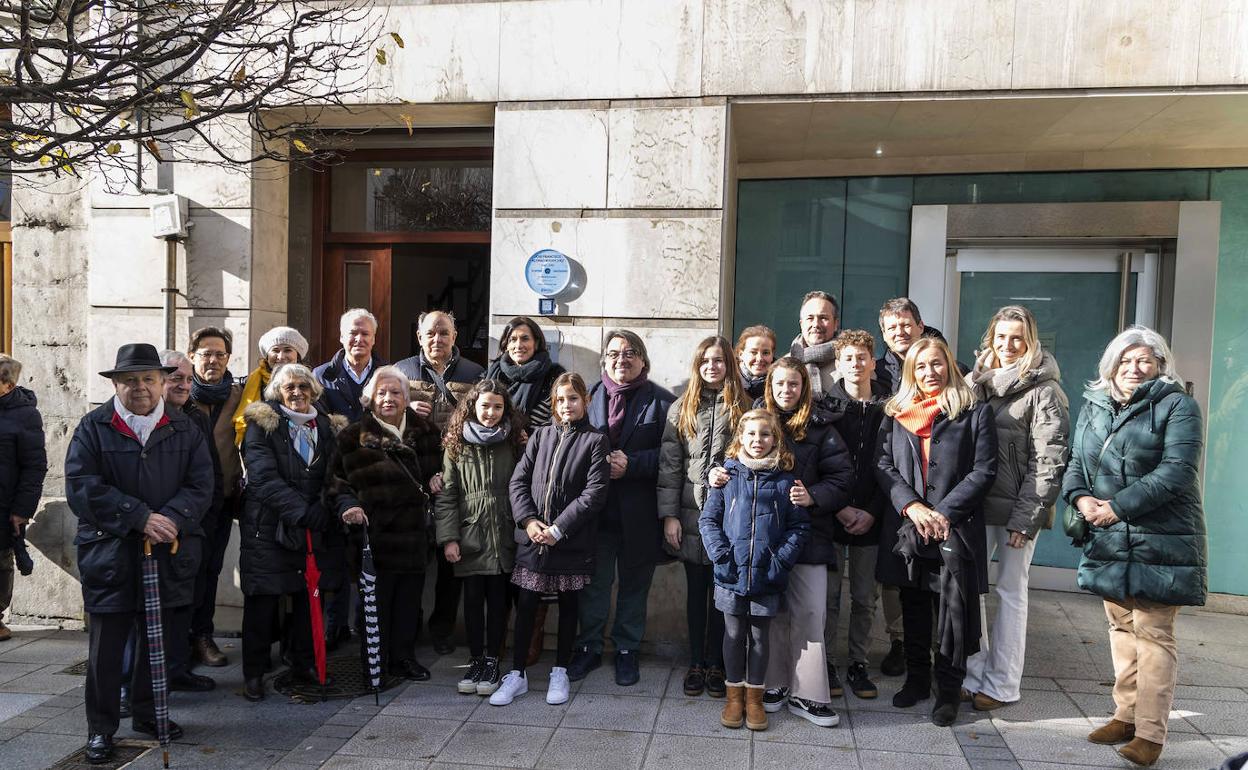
(217, 540)
(918, 613)
(398, 613)
(745, 648)
(108, 633)
(485, 613)
(261, 627)
(445, 599)
(706, 622)
(526, 612)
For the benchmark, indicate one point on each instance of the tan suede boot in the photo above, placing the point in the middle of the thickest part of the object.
(1142, 752)
(755, 715)
(1113, 731)
(733, 715)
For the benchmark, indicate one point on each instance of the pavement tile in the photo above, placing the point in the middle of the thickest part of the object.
(993, 764)
(894, 760)
(209, 758)
(308, 757)
(876, 730)
(598, 749)
(1062, 741)
(480, 743)
(987, 752)
(11, 671)
(679, 752)
(695, 716)
(1230, 744)
(591, 710)
(1212, 717)
(340, 762)
(22, 705)
(22, 723)
(336, 731)
(529, 709)
(1186, 692)
(49, 650)
(440, 703)
(653, 682)
(1190, 752)
(31, 750)
(401, 737)
(1038, 683)
(1100, 708)
(43, 681)
(795, 756)
(784, 727)
(9, 733)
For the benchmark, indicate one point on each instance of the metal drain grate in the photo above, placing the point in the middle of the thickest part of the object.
(78, 669)
(124, 752)
(350, 681)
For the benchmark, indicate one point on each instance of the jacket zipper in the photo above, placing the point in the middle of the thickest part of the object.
(550, 478)
(749, 569)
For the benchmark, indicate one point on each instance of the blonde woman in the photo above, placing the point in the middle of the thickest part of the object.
(1021, 382)
(938, 459)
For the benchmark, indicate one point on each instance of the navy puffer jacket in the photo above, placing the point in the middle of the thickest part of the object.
(23, 459)
(751, 531)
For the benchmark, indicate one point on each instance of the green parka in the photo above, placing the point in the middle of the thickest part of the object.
(683, 465)
(1144, 457)
(1032, 418)
(474, 509)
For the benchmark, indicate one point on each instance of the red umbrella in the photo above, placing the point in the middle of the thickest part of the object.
(312, 575)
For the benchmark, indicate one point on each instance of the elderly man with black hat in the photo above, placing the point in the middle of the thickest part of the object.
(134, 471)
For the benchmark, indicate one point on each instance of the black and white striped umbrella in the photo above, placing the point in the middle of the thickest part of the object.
(371, 648)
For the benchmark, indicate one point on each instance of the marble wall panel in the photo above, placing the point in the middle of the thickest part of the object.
(1100, 43)
(217, 260)
(1223, 42)
(550, 158)
(666, 157)
(915, 45)
(126, 266)
(801, 46)
(514, 240)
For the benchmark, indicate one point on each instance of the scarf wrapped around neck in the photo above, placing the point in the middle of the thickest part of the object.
(253, 391)
(814, 357)
(918, 418)
(524, 381)
(617, 404)
(767, 463)
(755, 385)
(210, 394)
(476, 433)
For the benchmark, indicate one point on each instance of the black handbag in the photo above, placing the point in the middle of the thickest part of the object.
(1073, 523)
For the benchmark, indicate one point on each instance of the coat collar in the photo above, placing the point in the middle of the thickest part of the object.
(374, 436)
(636, 402)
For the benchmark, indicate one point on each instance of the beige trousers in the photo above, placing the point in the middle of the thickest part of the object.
(795, 657)
(1146, 664)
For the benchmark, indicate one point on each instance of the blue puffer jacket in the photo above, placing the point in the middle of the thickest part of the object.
(752, 533)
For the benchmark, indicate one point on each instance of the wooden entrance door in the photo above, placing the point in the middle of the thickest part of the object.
(356, 275)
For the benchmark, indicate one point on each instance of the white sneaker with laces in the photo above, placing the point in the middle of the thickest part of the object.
(514, 684)
(557, 692)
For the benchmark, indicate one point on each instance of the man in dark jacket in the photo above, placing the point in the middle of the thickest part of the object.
(23, 464)
(215, 395)
(439, 378)
(856, 401)
(134, 471)
(343, 377)
(632, 411)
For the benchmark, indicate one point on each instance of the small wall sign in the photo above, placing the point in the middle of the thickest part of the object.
(548, 273)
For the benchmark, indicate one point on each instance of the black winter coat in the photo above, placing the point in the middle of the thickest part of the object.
(342, 394)
(961, 468)
(113, 483)
(858, 423)
(632, 500)
(282, 501)
(383, 475)
(23, 459)
(561, 479)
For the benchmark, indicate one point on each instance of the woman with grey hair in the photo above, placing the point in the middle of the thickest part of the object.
(632, 411)
(1134, 477)
(286, 449)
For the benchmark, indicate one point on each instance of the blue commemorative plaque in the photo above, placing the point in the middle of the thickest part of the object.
(548, 273)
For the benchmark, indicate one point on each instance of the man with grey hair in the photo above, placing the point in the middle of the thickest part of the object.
(343, 377)
(23, 466)
(135, 471)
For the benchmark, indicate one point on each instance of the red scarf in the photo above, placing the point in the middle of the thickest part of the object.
(918, 419)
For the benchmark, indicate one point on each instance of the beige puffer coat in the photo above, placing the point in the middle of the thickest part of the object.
(683, 465)
(1032, 416)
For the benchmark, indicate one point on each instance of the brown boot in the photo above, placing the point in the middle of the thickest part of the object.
(755, 715)
(1142, 752)
(1113, 731)
(733, 715)
(981, 702)
(5, 633)
(205, 651)
(538, 641)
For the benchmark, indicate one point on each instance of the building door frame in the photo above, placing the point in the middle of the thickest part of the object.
(332, 252)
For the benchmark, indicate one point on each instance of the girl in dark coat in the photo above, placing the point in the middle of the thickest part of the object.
(379, 481)
(938, 459)
(287, 448)
(557, 491)
(752, 533)
(475, 528)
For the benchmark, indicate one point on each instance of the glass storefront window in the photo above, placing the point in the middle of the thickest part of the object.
(416, 196)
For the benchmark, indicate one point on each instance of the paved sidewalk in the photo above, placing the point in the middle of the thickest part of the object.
(653, 725)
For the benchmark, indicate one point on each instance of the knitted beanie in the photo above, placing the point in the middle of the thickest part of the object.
(283, 335)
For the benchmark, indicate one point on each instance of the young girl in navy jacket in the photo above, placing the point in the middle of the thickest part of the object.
(753, 535)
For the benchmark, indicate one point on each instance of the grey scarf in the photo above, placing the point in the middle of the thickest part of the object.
(476, 433)
(815, 357)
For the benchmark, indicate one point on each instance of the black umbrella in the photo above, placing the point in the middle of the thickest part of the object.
(371, 648)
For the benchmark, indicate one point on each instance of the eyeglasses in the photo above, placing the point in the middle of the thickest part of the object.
(177, 379)
(628, 354)
(212, 355)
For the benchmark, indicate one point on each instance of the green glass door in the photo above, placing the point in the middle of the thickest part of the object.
(1080, 302)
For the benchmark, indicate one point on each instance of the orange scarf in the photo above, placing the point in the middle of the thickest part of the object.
(918, 419)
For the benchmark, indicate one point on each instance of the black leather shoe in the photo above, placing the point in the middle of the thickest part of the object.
(99, 749)
(308, 676)
(189, 682)
(443, 645)
(945, 712)
(894, 663)
(582, 663)
(715, 685)
(411, 670)
(627, 670)
(253, 689)
(695, 681)
(125, 702)
(149, 728)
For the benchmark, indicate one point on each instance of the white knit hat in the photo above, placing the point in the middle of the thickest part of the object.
(283, 335)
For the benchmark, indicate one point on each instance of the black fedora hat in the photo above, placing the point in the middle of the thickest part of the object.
(137, 357)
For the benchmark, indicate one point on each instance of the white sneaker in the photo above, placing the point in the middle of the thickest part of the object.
(515, 683)
(557, 692)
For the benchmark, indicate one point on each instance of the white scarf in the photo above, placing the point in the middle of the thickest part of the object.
(396, 430)
(141, 424)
